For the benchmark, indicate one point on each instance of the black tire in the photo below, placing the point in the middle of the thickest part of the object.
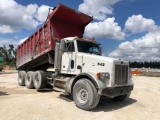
(39, 80)
(29, 80)
(84, 94)
(97, 97)
(121, 97)
(21, 78)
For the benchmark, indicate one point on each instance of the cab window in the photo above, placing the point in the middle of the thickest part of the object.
(69, 46)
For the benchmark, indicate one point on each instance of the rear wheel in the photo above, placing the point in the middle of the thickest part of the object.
(39, 80)
(29, 80)
(21, 78)
(85, 94)
(121, 97)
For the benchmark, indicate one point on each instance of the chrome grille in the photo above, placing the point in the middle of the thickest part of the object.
(121, 74)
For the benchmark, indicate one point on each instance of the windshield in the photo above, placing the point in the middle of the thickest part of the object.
(88, 47)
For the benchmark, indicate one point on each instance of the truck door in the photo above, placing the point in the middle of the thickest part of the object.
(68, 58)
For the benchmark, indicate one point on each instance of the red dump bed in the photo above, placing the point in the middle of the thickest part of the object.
(62, 22)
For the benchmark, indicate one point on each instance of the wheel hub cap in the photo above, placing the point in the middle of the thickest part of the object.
(82, 95)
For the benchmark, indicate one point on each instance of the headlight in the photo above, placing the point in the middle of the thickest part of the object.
(103, 75)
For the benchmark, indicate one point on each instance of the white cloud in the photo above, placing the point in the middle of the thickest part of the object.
(138, 24)
(105, 29)
(5, 29)
(14, 41)
(97, 8)
(42, 13)
(15, 17)
(31, 9)
(7, 42)
(22, 40)
(145, 48)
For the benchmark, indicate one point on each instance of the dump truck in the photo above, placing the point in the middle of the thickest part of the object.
(57, 55)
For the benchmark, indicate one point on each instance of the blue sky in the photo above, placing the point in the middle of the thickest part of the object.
(127, 29)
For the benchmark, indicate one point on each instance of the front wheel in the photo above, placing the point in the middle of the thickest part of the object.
(85, 94)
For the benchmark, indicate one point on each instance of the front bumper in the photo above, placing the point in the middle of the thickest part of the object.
(115, 91)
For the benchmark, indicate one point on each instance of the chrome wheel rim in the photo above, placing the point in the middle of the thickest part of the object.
(82, 95)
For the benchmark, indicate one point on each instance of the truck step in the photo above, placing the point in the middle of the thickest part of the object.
(58, 89)
(61, 80)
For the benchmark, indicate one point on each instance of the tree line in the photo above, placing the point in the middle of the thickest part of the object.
(145, 64)
(9, 56)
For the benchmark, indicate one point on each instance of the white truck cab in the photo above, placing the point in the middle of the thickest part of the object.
(81, 60)
(80, 70)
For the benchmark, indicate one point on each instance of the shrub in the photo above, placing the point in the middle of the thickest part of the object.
(2, 64)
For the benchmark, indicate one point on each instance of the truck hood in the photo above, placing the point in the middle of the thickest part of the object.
(96, 63)
(95, 57)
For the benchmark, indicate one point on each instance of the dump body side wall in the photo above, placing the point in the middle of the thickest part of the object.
(35, 46)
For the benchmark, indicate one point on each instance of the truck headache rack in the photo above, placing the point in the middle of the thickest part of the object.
(67, 22)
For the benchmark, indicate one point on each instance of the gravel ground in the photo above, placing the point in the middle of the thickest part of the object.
(20, 103)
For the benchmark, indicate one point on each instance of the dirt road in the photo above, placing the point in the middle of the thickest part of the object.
(20, 103)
